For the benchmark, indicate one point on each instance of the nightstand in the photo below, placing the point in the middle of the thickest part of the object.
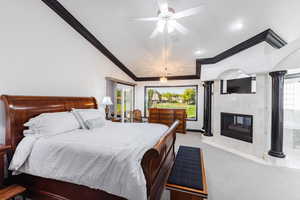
(11, 191)
(116, 120)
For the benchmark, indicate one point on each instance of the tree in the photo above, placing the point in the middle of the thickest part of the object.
(189, 96)
(150, 95)
(168, 96)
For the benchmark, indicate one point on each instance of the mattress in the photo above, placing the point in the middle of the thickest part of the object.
(107, 158)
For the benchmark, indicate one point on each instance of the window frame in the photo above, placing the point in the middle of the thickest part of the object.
(172, 86)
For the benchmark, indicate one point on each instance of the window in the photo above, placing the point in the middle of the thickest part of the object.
(292, 114)
(290, 95)
(173, 97)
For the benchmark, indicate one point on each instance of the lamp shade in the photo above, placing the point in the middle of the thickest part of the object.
(107, 101)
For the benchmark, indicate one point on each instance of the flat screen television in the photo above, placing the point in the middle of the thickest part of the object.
(240, 86)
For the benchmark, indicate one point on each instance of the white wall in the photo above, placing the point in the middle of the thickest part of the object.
(42, 55)
(190, 124)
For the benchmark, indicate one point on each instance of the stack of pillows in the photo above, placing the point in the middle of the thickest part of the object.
(59, 122)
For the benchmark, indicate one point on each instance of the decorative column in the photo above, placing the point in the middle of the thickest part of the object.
(204, 108)
(207, 108)
(277, 114)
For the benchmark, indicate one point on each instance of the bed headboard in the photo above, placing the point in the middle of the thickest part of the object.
(19, 109)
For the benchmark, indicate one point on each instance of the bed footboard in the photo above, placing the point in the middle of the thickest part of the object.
(157, 162)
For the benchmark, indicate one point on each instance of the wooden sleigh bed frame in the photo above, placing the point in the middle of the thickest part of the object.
(156, 162)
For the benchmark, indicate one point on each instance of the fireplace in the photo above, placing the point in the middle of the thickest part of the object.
(237, 126)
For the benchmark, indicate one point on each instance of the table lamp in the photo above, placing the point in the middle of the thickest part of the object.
(107, 102)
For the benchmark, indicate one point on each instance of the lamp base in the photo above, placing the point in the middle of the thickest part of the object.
(106, 112)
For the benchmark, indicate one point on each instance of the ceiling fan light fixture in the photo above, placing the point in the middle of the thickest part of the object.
(164, 7)
(166, 12)
(171, 25)
(161, 25)
(166, 18)
(170, 29)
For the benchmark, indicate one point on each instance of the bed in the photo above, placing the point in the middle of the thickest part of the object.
(156, 162)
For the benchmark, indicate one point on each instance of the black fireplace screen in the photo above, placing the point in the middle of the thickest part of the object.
(237, 126)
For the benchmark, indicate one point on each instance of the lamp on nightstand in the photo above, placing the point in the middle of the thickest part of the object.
(107, 102)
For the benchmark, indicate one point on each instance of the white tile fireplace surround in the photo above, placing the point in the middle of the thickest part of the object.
(259, 106)
(256, 105)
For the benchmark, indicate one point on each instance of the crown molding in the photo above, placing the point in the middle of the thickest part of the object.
(268, 36)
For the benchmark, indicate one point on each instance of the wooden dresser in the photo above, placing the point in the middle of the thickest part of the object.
(168, 116)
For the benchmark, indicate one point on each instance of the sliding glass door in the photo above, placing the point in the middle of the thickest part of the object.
(124, 98)
(118, 100)
(128, 101)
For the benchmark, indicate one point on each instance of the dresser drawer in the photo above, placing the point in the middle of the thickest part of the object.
(168, 116)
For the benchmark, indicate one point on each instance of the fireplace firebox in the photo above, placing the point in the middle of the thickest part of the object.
(237, 126)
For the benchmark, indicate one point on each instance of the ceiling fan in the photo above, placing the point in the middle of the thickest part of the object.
(167, 18)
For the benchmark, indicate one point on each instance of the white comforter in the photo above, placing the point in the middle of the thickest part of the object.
(106, 158)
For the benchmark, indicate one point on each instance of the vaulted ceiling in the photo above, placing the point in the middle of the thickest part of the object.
(219, 26)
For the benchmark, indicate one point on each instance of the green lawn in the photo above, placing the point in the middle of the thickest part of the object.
(190, 109)
(119, 107)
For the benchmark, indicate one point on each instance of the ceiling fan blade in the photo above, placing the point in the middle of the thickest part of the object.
(148, 19)
(154, 33)
(187, 13)
(163, 6)
(180, 28)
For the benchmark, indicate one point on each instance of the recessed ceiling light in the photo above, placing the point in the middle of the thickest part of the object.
(199, 52)
(237, 25)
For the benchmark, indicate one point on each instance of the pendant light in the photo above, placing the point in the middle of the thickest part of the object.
(164, 78)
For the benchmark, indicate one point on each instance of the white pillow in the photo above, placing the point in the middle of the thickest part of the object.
(52, 123)
(95, 123)
(28, 132)
(82, 115)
